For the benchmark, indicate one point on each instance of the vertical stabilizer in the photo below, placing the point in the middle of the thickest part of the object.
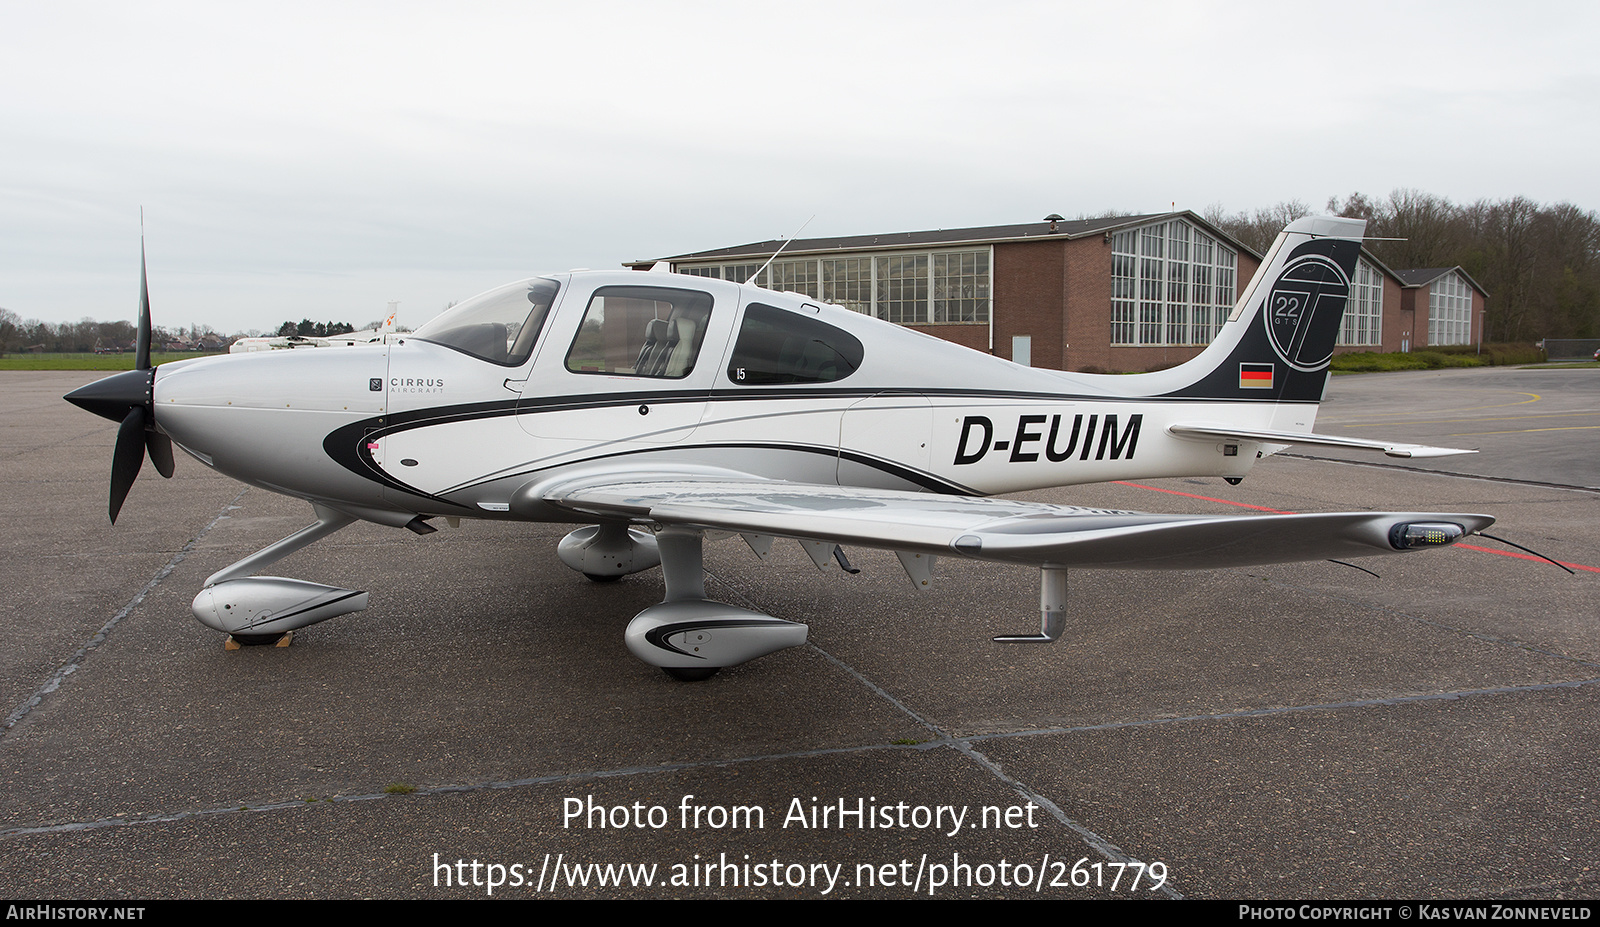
(1277, 343)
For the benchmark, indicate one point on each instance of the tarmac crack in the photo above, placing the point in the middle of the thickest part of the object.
(966, 745)
(1391, 700)
(962, 745)
(66, 669)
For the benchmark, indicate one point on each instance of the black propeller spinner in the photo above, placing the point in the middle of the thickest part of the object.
(129, 398)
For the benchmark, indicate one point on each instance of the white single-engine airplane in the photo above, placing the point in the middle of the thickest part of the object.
(383, 333)
(654, 408)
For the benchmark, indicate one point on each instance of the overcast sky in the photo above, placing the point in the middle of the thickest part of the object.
(319, 160)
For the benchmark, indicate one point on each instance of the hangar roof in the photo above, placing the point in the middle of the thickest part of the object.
(1028, 231)
(1422, 276)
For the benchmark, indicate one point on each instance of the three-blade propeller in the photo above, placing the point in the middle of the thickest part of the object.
(129, 398)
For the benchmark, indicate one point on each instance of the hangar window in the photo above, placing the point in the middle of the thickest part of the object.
(848, 283)
(793, 277)
(1450, 310)
(776, 346)
(641, 331)
(499, 326)
(1204, 315)
(902, 292)
(738, 273)
(1363, 311)
(908, 287)
(1171, 283)
(961, 286)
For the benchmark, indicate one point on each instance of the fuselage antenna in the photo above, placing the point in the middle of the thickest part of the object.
(775, 254)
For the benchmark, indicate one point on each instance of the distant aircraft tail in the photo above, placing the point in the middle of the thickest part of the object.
(1277, 343)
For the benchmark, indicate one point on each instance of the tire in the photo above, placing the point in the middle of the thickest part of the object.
(691, 673)
(257, 640)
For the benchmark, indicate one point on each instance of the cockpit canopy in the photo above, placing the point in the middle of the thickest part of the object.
(500, 326)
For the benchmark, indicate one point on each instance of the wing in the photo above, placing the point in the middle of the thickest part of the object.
(1001, 530)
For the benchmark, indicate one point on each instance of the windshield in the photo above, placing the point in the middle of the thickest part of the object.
(500, 325)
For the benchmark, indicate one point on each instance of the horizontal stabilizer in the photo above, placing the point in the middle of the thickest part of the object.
(1212, 432)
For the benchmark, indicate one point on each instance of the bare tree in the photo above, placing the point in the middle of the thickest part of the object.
(1258, 229)
(1540, 264)
(10, 331)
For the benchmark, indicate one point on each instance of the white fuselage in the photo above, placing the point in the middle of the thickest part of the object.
(415, 427)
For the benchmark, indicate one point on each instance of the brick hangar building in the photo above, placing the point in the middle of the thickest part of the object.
(1128, 293)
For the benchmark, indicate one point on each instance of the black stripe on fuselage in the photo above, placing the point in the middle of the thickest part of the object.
(346, 445)
(439, 415)
(922, 478)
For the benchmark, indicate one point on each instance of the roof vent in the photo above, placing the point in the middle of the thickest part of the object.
(1054, 221)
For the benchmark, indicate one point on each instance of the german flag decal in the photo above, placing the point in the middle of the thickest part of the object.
(1255, 376)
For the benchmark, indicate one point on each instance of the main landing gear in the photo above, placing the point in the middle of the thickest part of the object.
(688, 635)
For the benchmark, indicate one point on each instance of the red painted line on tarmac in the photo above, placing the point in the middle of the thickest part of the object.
(1507, 553)
(1174, 492)
(1262, 508)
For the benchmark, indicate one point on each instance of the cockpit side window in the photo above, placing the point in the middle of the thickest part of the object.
(500, 326)
(776, 346)
(641, 331)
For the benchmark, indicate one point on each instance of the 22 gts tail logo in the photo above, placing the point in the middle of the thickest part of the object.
(1057, 442)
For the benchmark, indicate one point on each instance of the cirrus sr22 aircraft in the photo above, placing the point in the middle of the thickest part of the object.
(654, 408)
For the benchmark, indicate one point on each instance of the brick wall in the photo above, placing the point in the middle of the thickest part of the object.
(1029, 290)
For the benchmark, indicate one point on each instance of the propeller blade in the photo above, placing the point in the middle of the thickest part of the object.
(129, 398)
(141, 356)
(127, 458)
(160, 448)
